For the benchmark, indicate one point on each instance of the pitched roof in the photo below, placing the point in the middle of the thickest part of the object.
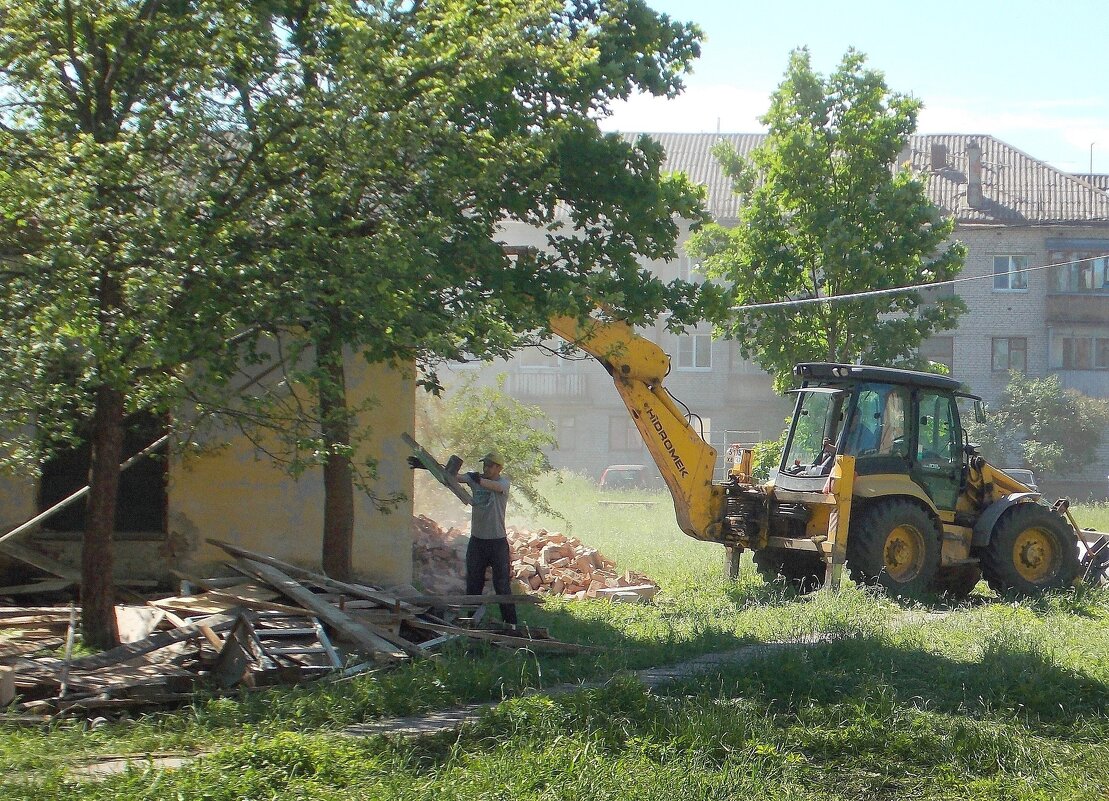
(1016, 188)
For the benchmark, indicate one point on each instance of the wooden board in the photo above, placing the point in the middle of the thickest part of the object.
(137, 622)
(41, 561)
(317, 579)
(11, 651)
(448, 480)
(367, 636)
(47, 585)
(123, 653)
(249, 596)
(236, 655)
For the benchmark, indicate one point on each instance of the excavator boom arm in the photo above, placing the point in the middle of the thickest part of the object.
(686, 462)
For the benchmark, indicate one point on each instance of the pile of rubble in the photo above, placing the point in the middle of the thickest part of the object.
(273, 623)
(543, 563)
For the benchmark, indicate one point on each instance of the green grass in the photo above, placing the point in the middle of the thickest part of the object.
(990, 701)
(1092, 515)
(987, 700)
(644, 538)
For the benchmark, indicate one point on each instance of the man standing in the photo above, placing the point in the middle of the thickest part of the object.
(488, 539)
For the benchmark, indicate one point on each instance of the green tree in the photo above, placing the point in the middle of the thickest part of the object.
(470, 420)
(119, 196)
(826, 213)
(406, 134)
(768, 455)
(1042, 426)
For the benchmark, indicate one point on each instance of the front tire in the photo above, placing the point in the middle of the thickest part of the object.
(1033, 549)
(894, 543)
(802, 570)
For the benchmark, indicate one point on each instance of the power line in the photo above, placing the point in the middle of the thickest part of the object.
(895, 290)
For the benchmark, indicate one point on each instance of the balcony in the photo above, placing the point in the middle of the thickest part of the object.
(545, 385)
(1093, 383)
(1078, 307)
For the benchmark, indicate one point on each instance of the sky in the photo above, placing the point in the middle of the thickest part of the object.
(1030, 73)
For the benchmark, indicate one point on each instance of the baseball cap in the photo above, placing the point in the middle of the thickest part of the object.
(493, 458)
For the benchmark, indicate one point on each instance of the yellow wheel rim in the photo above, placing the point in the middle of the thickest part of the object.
(1035, 554)
(904, 553)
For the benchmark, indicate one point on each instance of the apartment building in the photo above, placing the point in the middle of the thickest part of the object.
(1036, 284)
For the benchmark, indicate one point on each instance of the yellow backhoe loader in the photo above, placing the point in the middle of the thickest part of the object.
(877, 473)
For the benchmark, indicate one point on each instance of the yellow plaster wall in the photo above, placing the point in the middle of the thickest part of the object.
(238, 496)
(17, 501)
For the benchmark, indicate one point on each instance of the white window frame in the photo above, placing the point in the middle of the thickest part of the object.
(1015, 262)
(693, 346)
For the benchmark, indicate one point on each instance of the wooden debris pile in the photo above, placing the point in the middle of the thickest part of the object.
(275, 624)
(543, 563)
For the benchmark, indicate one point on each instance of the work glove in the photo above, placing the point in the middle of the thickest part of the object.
(474, 476)
(415, 463)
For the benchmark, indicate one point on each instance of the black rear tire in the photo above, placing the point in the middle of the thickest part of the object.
(802, 570)
(1033, 549)
(894, 543)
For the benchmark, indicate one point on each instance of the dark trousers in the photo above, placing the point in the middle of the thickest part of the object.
(481, 554)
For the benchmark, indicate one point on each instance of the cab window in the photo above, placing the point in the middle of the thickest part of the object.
(878, 422)
(818, 419)
(937, 440)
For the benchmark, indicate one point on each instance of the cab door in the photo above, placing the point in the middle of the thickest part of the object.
(937, 462)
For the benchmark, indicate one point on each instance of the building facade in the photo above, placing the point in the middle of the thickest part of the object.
(228, 490)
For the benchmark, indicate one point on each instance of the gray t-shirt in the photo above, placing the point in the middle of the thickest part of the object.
(489, 508)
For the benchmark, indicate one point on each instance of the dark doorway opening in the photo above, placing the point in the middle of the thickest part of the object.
(142, 487)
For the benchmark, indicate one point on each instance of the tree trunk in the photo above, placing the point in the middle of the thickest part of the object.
(338, 478)
(98, 618)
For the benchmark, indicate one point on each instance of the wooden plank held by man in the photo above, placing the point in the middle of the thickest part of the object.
(445, 475)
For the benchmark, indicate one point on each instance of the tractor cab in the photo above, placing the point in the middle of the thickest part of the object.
(900, 422)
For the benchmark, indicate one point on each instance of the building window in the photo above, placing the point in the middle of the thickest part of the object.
(538, 356)
(690, 270)
(1010, 353)
(469, 362)
(1008, 272)
(1082, 353)
(1076, 353)
(703, 427)
(939, 350)
(142, 504)
(1079, 272)
(695, 352)
(566, 432)
(623, 435)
